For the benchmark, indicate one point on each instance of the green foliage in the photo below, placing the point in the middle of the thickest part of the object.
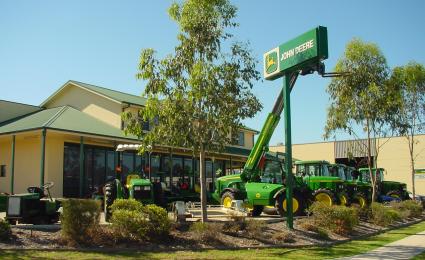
(364, 99)
(201, 92)
(5, 231)
(78, 219)
(383, 216)
(338, 219)
(410, 207)
(135, 221)
(206, 232)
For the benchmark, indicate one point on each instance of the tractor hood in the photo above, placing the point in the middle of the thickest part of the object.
(140, 182)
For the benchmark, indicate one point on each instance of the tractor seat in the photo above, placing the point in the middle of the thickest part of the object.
(37, 190)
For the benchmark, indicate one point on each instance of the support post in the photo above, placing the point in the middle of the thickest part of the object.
(12, 166)
(81, 166)
(288, 150)
(171, 169)
(43, 156)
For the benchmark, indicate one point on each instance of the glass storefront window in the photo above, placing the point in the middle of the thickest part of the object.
(110, 165)
(71, 171)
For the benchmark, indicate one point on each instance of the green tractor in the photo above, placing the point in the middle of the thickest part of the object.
(136, 188)
(322, 185)
(267, 191)
(359, 193)
(34, 207)
(393, 189)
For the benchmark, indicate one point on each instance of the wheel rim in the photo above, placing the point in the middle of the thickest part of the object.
(324, 198)
(227, 202)
(343, 200)
(295, 205)
(362, 202)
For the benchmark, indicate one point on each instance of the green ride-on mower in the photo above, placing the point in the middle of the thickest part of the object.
(136, 188)
(34, 207)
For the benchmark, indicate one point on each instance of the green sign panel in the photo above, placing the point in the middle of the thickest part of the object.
(308, 48)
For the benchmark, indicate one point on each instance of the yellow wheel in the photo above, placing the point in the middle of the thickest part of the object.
(362, 202)
(343, 201)
(295, 205)
(324, 198)
(227, 198)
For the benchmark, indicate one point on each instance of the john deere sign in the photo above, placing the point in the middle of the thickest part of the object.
(310, 47)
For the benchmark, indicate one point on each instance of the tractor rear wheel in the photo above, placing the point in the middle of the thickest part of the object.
(256, 211)
(110, 194)
(227, 198)
(324, 196)
(297, 205)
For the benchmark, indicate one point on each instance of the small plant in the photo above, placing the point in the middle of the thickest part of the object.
(285, 236)
(78, 218)
(408, 208)
(255, 228)
(338, 219)
(383, 216)
(5, 231)
(135, 221)
(206, 232)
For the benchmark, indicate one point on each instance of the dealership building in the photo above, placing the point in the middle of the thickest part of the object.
(71, 139)
(393, 156)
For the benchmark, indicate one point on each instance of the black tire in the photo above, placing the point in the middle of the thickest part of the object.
(270, 210)
(343, 199)
(257, 210)
(297, 210)
(360, 200)
(226, 199)
(324, 196)
(110, 194)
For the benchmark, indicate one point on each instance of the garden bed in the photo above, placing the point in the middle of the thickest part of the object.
(184, 238)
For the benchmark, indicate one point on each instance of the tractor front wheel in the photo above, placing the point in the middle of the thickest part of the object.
(297, 205)
(394, 194)
(324, 196)
(360, 200)
(227, 198)
(343, 199)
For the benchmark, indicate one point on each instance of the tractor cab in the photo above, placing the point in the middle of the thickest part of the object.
(385, 189)
(33, 207)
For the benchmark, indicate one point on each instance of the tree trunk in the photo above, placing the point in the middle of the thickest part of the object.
(369, 163)
(203, 183)
(412, 163)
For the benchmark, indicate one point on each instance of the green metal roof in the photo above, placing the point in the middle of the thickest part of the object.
(112, 94)
(64, 118)
(10, 110)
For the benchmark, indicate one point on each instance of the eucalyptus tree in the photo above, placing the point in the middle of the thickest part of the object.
(198, 95)
(410, 118)
(363, 102)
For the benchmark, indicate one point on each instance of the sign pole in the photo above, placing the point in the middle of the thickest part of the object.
(288, 149)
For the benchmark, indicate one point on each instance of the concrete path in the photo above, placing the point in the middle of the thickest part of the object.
(405, 248)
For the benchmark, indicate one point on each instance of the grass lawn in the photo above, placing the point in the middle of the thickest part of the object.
(346, 249)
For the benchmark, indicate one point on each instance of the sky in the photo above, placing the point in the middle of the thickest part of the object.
(43, 44)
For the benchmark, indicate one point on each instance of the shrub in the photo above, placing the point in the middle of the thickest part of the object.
(132, 220)
(79, 216)
(255, 228)
(206, 232)
(285, 235)
(407, 208)
(309, 225)
(5, 231)
(383, 216)
(338, 219)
